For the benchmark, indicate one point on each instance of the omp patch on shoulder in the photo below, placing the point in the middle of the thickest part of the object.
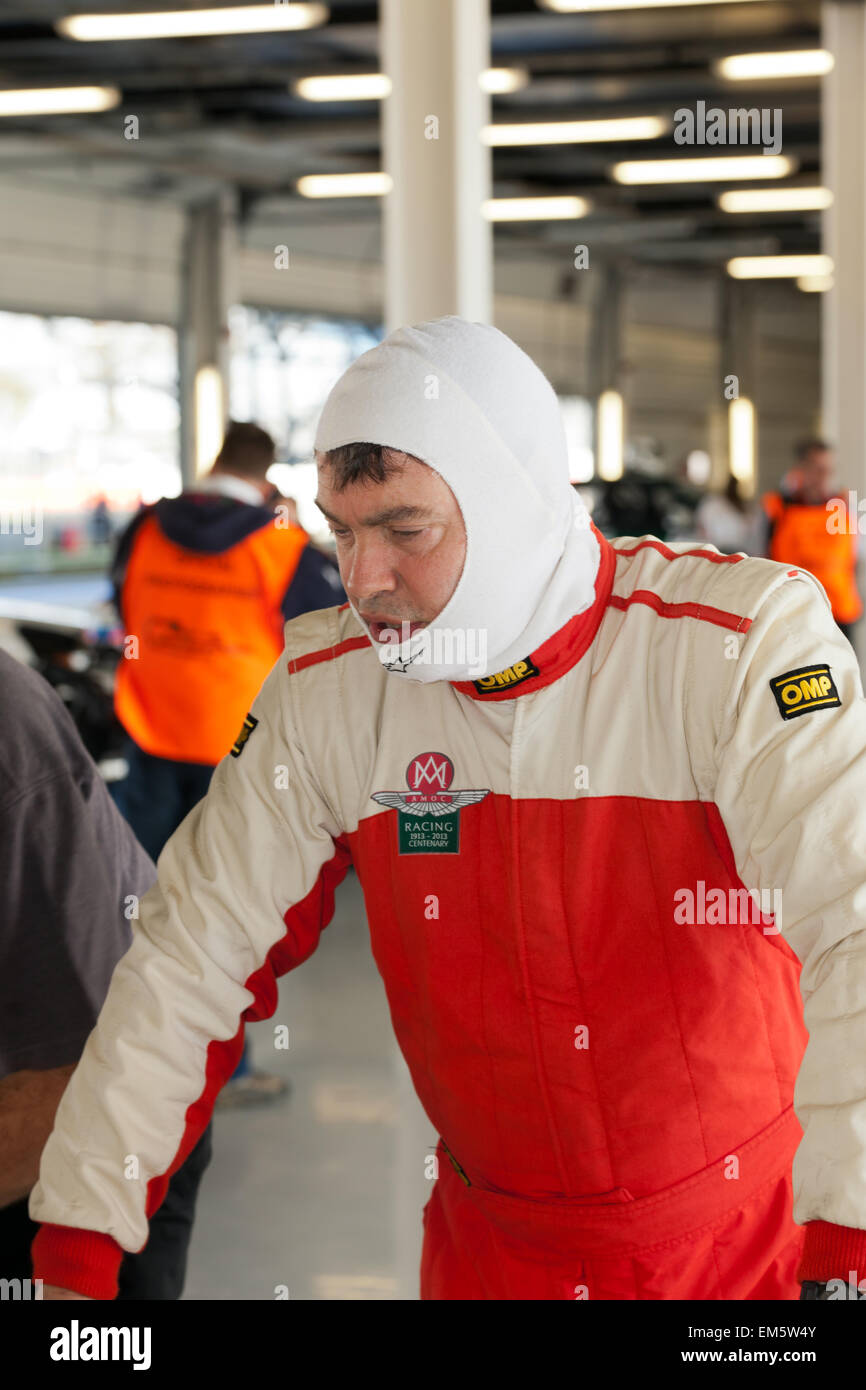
(512, 675)
(240, 742)
(807, 688)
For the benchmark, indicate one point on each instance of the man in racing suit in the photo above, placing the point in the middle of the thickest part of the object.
(606, 805)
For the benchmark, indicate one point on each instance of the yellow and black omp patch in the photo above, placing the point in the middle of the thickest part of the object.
(807, 688)
(240, 742)
(512, 675)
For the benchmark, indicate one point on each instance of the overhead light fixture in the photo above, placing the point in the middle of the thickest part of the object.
(814, 284)
(363, 86)
(500, 81)
(576, 132)
(724, 169)
(376, 86)
(534, 209)
(699, 467)
(55, 101)
(775, 200)
(181, 24)
(778, 267)
(209, 417)
(746, 67)
(344, 185)
(599, 6)
(609, 432)
(741, 442)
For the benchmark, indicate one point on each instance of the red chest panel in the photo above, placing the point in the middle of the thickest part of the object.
(552, 1009)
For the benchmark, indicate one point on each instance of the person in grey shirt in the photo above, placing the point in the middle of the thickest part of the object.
(72, 873)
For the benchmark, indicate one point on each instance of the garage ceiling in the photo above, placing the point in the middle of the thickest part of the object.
(220, 111)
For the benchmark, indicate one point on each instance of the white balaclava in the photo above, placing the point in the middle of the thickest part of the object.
(466, 400)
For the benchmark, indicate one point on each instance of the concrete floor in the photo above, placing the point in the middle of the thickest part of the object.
(320, 1194)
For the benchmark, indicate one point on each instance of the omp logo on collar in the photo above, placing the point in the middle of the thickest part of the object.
(512, 675)
(240, 742)
(807, 688)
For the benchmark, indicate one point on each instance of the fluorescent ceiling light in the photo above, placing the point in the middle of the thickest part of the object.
(726, 169)
(598, 6)
(775, 200)
(814, 284)
(376, 86)
(52, 101)
(609, 434)
(741, 442)
(534, 209)
(497, 81)
(576, 132)
(209, 417)
(744, 67)
(344, 185)
(362, 86)
(778, 267)
(177, 24)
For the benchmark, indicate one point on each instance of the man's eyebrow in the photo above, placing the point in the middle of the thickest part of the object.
(404, 513)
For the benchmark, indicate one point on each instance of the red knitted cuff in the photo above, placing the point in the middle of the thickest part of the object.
(833, 1252)
(86, 1262)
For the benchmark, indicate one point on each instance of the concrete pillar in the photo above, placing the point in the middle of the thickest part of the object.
(438, 255)
(606, 330)
(739, 358)
(208, 289)
(843, 129)
(437, 243)
(605, 372)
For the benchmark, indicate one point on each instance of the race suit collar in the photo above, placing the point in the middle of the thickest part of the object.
(559, 653)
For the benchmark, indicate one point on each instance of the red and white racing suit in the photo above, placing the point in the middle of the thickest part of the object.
(615, 1073)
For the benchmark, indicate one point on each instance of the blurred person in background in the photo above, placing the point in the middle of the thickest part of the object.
(803, 529)
(204, 584)
(101, 529)
(729, 522)
(72, 875)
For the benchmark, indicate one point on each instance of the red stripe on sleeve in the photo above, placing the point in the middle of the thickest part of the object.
(682, 610)
(679, 554)
(351, 644)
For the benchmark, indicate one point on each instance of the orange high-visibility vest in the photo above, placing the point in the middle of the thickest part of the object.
(801, 537)
(208, 628)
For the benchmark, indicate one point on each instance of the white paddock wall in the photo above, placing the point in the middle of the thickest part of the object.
(788, 370)
(105, 256)
(88, 255)
(674, 366)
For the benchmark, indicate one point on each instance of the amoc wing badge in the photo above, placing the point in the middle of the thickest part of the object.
(428, 819)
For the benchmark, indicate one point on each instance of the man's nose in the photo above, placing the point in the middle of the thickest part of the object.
(370, 570)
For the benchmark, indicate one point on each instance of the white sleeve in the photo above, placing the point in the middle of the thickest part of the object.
(245, 887)
(791, 789)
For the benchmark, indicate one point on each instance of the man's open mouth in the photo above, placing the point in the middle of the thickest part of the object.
(392, 630)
